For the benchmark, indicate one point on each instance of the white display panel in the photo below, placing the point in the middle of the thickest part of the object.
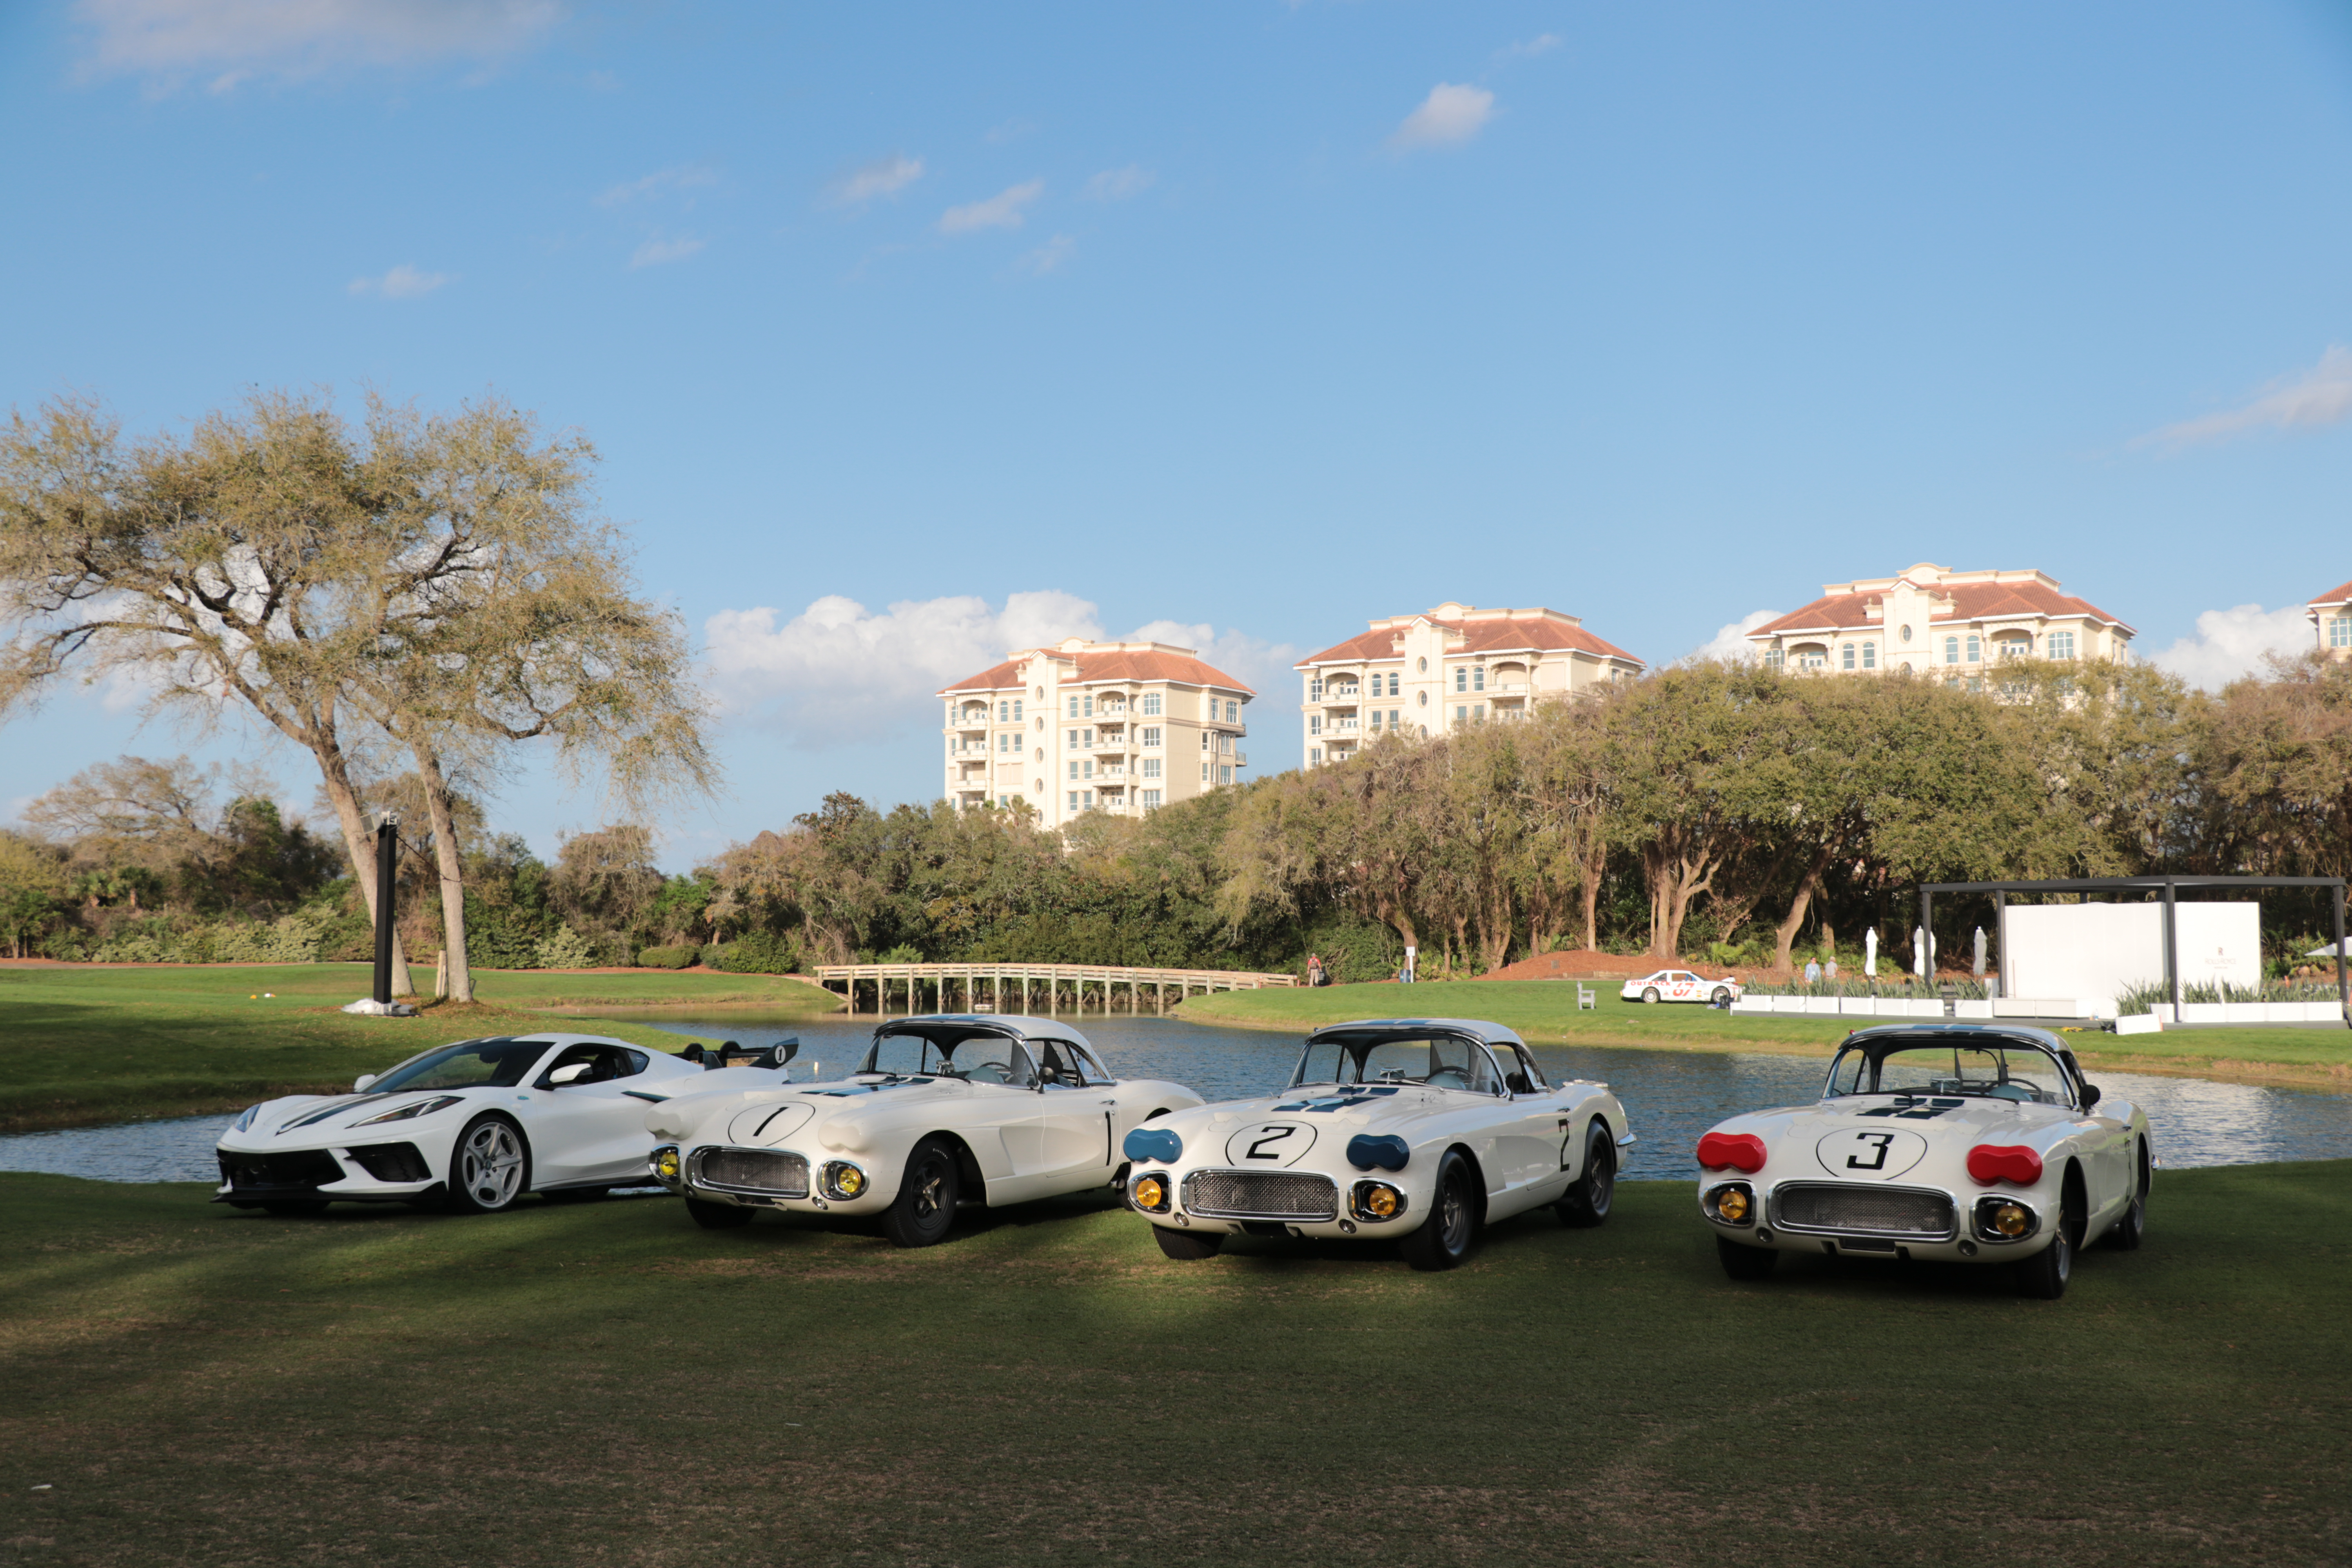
(2095, 951)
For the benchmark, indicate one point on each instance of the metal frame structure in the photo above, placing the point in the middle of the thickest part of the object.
(2170, 887)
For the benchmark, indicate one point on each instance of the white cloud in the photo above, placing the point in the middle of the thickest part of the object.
(1449, 116)
(656, 250)
(2320, 396)
(837, 672)
(883, 177)
(1543, 44)
(234, 41)
(1050, 255)
(1730, 641)
(403, 282)
(679, 178)
(1118, 184)
(2232, 643)
(1002, 210)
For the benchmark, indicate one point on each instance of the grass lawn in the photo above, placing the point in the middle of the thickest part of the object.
(606, 1383)
(1546, 1011)
(83, 1045)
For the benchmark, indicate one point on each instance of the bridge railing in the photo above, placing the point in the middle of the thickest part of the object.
(1009, 986)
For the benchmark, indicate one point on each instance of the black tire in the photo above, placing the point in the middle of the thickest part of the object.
(295, 1208)
(489, 1166)
(1721, 998)
(1187, 1246)
(1443, 1240)
(1649, 993)
(924, 1211)
(717, 1216)
(2043, 1276)
(1745, 1262)
(2126, 1233)
(1587, 1203)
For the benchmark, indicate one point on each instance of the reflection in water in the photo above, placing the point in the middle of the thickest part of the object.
(1673, 1097)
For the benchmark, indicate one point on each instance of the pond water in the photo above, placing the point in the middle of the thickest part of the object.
(1672, 1096)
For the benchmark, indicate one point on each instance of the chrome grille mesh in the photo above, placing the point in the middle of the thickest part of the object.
(1878, 1211)
(764, 1171)
(1261, 1195)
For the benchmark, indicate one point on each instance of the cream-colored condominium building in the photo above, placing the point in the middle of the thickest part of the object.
(1952, 624)
(2331, 618)
(1423, 674)
(1094, 726)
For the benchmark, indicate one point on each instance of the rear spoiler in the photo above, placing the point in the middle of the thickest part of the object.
(728, 1054)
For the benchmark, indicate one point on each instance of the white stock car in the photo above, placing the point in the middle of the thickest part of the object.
(474, 1125)
(1963, 1142)
(1681, 986)
(943, 1108)
(1413, 1130)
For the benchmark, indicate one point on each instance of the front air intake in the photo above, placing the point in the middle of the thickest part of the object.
(1261, 1195)
(762, 1173)
(1823, 1208)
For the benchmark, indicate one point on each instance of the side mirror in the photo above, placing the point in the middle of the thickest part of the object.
(2090, 1095)
(565, 1075)
(359, 1084)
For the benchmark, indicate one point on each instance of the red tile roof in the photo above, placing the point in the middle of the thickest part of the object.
(1970, 602)
(1481, 636)
(1094, 668)
(2342, 595)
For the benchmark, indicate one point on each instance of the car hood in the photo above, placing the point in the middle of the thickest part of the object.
(1375, 1111)
(1977, 1122)
(287, 1122)
(707, 1114)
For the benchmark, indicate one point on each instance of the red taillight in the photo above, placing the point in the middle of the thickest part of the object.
(1991, 1163)
(1732, 1151)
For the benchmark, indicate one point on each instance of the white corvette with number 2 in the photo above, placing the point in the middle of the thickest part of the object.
(1417, 1130)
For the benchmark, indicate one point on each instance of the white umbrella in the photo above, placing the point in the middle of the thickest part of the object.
(1980, 969)
(1870, 954)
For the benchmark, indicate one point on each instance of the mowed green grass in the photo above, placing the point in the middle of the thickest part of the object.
(1545, 1011)
(606, 1383)
(87, 1045)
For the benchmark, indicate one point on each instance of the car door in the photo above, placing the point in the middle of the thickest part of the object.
(589, 1129)
(1075, 1114)
(1528, 1135)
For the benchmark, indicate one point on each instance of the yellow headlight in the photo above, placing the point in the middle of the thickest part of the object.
(1380, 1202)
(666, 1165)
(1732, 1206)
(849, 1181)
(2011, 1219)
(1151, 1193)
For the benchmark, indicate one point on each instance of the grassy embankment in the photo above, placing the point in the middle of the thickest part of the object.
(606, 1383)
(1546, 1011)
(88, 1045)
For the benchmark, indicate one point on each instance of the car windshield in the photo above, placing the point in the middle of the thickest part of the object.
(2004, 1070)
(979, 1057)
(469, 1064)
(1438, 1061)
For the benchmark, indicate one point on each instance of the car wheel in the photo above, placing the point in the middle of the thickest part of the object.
(1587, 1202)
(1649, 993)
(924, 1210)
(2125, 1234)
(717, 1216)
(1187, 1246)
(296, 1207)
(2043, 1276)
(1444, 1237)
(1721, 998)
(489, 1166)
(1745, 1262)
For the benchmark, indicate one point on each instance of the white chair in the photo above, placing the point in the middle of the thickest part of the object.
(1585, 999)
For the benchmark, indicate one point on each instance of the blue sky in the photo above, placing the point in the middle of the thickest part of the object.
(912, 333)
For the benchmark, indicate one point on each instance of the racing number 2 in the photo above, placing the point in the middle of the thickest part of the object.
(1878, 1142)
(1258, 1144)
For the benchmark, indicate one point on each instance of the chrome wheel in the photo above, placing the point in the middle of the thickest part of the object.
(489, 1169)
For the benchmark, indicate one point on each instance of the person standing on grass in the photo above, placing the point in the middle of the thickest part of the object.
(1813, 972)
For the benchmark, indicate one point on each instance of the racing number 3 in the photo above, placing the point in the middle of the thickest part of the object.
(1258, 1144)
(1877, 1161)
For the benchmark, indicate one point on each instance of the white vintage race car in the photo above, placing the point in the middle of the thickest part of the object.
(1681, 986)
(944, 1109)
(1965, 1143)
(1413, 1130)
(474, 1125)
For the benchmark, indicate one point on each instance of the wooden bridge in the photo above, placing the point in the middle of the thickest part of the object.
(987, 987)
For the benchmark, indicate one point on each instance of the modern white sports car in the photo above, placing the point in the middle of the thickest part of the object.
(1413, 1130)
(1681, 986)
(474, 1125)
(1965, 1143)
(944, 1109)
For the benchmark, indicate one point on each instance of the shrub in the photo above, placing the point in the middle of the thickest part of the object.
(669, 957)
(564, 949)
(760, 952)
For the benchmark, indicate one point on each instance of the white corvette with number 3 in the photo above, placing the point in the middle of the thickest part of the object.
(1959, 1143)
(1417, 1130)
(943, 1110)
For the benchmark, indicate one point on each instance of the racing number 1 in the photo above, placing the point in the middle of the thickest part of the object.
(1277, 1136)
(1878, 1142)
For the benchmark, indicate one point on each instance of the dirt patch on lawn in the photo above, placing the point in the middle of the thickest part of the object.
(1585, 963)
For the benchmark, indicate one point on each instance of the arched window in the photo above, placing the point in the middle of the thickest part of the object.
(1952, 651)
(1870, 655)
